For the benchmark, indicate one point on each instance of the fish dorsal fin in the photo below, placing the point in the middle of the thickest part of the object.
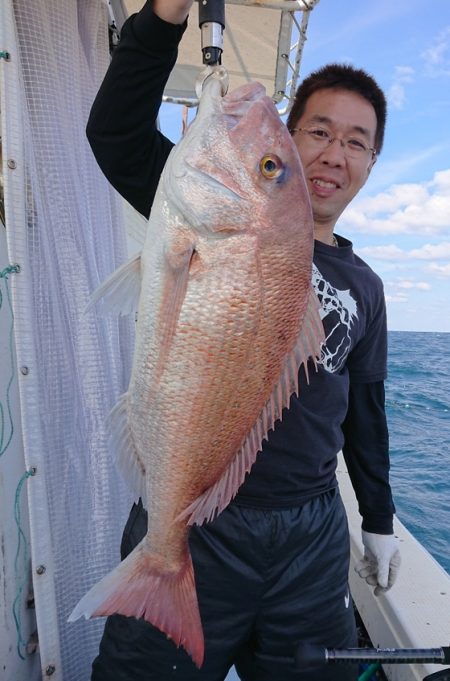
(120, 292)
(213, 501)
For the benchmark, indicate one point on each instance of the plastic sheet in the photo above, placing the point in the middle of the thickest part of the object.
(65, 230)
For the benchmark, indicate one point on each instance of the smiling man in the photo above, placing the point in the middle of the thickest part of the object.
(272, 570)
(336, 130)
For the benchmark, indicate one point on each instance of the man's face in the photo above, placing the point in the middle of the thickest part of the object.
(334, 178)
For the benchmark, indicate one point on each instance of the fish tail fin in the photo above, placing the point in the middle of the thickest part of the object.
(141, 586)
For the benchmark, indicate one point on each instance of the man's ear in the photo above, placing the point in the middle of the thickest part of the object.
(371, 165)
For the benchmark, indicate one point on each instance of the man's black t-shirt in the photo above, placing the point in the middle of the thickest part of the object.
(299, 459)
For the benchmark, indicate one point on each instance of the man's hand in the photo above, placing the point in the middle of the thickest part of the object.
(381, 561)
(172, 11)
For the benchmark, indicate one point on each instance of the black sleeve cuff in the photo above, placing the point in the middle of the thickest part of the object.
(159, 35)
(378, 524)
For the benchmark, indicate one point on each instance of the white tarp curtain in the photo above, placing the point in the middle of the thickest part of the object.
(65, 230)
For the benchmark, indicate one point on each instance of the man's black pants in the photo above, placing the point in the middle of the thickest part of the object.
(266, 581)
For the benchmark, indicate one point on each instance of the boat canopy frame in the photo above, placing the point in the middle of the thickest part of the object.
(255, 47)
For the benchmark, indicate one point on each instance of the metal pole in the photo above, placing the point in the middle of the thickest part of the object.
(211, 19)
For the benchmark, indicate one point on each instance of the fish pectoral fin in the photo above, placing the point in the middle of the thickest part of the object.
(136, 225)
(215, 499)
(120, 292)
(179, 257)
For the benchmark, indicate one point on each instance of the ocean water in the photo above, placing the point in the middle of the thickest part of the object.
(418, 411)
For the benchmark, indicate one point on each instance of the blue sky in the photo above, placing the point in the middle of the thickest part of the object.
(400, 222)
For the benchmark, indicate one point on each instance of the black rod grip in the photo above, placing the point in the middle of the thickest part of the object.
(211, 11)
(387, 655)
(310, 656)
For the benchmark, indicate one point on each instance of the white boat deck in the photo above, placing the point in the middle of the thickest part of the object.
(415, 613)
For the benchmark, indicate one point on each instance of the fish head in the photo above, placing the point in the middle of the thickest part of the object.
(237, 167)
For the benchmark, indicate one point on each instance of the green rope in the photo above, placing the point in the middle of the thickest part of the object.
(6, 416)
(22, 541)
(11, 269)
(369, 672)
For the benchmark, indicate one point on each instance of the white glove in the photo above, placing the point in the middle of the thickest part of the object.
(381, 561)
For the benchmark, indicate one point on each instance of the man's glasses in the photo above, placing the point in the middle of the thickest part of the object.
(319, 138)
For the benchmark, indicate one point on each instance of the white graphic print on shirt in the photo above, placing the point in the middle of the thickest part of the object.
(338, 311)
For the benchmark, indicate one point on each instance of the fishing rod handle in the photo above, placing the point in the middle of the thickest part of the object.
(211, 11)
(390, 655)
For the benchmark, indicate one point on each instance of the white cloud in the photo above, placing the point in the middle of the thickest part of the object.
(437, 56)
(390, 252)
(408, 284)
(397, 197)
(396, 93)
(442, 179)
(393, 252)
(397, 291)
(431, 252)
(396, 299)
(441, 270)
(413, 208)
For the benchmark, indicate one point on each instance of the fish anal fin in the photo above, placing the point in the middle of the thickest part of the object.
(130, 464)
(141, 587)
(213, 501)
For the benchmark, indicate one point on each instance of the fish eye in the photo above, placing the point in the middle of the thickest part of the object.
(271, 166)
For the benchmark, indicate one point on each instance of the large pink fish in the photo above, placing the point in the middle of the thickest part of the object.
(226, 317)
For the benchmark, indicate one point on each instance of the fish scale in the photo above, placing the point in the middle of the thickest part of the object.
(226, 318)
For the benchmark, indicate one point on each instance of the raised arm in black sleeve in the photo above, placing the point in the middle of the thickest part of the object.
(122, 125)
(366, 453)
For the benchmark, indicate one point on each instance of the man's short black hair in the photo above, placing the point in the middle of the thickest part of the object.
(342, 77)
